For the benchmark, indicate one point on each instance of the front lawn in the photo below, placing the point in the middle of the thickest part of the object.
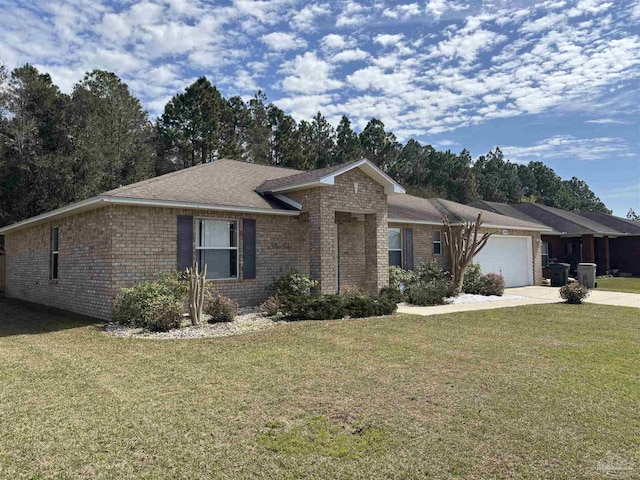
(619, 284)
(542, 391)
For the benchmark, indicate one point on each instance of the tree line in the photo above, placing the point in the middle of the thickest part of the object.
(58, 148)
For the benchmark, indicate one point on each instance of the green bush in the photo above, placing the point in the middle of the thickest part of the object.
(165, 314)
(392, 295)
(271, 306)
(473, 282)
(221, 309)
(493, 284)
(330, 307)
(399, 276)
(424, 294)
(574, 292)
(429, 271)
(140, 305)
(293, 284)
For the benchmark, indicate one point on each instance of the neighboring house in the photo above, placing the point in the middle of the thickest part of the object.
(611, 242)
(250, 224)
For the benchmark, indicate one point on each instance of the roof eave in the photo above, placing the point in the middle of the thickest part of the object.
(390, 185)
(97, 202)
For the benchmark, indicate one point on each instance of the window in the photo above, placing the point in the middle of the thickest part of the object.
(54, 253)
(568, 248)
(437, 242)
(545, 254)
(217, 248)
(395, 247)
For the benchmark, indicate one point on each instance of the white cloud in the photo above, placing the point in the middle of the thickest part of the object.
(333, 41)
(303, 107)
(349, 56)
(437, 8)
(387, 40)
(403, 11)
(568, 147)
(352, 13)
(309, 74)
(607, 121)
(280, 41)
(305, 19)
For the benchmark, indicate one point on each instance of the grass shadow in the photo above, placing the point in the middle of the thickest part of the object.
(18, 317)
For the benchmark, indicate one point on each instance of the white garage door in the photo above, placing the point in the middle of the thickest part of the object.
(509, 256)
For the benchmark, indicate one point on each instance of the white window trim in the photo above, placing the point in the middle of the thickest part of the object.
(389, 249)
(55, 253)
(433, 242)
(236, 248)
(542, 254)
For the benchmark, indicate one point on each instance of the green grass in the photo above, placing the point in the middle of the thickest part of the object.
(544, 391)
(619, 284)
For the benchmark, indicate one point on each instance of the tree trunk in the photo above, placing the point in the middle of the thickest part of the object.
(197, 283)
(463, 244)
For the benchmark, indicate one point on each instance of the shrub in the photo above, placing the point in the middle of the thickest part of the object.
(221, 309)
(473, 282)
(139, 305)
(354, 291)
(423, 294)
(391, 294)
(574, 293)
(493, 284)
(399, 278)
(293, 284)
(165, 314)
(330, 307)
(271, 306)
(429, 271)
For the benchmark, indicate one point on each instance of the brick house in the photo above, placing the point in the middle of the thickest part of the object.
(611, 242)
(342, 225)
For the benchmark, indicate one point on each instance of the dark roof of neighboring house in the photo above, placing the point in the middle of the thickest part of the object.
(422, 210)
(564, 222)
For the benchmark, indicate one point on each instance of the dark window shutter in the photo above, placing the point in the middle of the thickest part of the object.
(248, 248)
(407, 239)
(185, 241)
(549, 254)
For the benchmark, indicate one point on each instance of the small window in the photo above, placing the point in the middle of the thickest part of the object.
(217, 248)
(437, 242)
(54, 253)
(395, 247)
(545, 254)
(568, 248)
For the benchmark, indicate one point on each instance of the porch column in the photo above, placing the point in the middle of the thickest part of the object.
(376, 252)
(607, 256)
(322, 233)
(588, 249)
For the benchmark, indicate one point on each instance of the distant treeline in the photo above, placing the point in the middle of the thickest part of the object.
(56, 149)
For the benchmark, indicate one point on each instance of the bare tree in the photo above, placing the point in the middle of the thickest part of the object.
(463, 244)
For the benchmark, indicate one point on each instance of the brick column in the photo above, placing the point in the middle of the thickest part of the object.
(376, 252)
(588, 249)
(607, 256)
(322, 240)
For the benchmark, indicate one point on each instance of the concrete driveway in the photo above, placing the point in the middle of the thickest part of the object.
(533, 296)
(600, 297)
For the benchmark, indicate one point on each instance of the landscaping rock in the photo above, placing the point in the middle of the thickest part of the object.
(249, 319)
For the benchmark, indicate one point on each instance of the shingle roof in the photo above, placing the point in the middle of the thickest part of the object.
(223, 182)
(416, 209)
(300, 177)
(565, 222)
(325, 176)
(505, 209)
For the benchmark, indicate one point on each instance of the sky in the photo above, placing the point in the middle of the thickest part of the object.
(556, 81)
